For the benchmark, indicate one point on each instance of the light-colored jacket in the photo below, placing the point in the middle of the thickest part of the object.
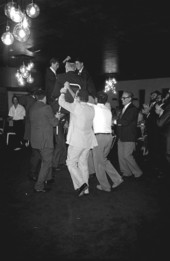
(80, 132)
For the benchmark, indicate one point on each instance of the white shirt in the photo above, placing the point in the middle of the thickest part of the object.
(17, 113)
(102, 119)
(53, 70)
(125, 107)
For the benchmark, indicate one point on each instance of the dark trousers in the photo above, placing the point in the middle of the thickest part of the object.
(19, 130)
(60, 149)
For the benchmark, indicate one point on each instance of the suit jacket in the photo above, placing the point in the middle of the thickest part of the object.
(70, 77)
(88, 82)
(27, 101)
(80, 133)
(42, 122)
(164, 123)
(50, 79)
(127, 124)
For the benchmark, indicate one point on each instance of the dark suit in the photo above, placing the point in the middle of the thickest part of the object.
(127, 135)
(50, 79)
(153, 138)
(164, 124)
(70, 77)
(42, 122)
(88, 82)
(27, 101)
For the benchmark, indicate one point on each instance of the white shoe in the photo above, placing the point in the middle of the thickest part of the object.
(100, 188)
(86, 192)
(17, 149)
(115, 185)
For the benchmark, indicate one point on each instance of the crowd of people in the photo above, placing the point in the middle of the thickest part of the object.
(71, 124)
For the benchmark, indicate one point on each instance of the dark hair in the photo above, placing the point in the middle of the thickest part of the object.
(15, 97)
(40, 94)
(156, 92)
(79, 59)
(83, 95)
(54, 60)
(102, 97)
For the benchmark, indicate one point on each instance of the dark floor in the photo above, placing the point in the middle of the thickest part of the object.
(130, 223)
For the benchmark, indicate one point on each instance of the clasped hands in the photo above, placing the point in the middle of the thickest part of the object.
(65, 88)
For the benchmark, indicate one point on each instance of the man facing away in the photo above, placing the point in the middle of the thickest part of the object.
(80, 138)
(102, 123)
(42, 121)
(127, 136)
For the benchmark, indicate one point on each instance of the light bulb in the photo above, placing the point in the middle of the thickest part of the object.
(32, 10)
(7, 37)
(20, 33)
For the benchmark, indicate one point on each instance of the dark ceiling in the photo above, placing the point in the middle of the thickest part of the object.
(136, 32)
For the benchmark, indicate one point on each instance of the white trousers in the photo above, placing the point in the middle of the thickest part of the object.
(77, 163)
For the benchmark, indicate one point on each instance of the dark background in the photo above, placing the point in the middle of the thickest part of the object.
(135, 33)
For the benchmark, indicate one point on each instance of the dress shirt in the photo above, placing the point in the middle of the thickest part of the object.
(53, 70)
(80, 71)
(125, 107)
(103, 119)
(17, 113)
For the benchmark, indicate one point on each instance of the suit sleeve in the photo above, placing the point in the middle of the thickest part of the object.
(165, 118)
(52, 119)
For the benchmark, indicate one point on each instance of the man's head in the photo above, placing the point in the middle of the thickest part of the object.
(126, 98)
(102, 97)
(79, 63)
(15, 99)
(40, 95)
(70, 66)
(154, 95)
(83, 95)
(54, 63)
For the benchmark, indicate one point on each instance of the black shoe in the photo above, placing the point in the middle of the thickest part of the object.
(42, 190)
(82, 189)
(50, 181)
(33, 178)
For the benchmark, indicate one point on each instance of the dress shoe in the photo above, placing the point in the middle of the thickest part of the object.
(82, 189)
(86, 192)
(42, 190)
(115, 185)
(100, 188)
(50, 181)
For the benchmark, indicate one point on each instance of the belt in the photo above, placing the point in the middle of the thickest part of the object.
(103, 133)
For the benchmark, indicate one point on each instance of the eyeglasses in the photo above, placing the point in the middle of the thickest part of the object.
(123, 98)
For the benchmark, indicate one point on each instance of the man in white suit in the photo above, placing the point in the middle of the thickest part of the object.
(80, 138)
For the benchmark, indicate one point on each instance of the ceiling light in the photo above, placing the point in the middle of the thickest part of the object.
(21, 34)
(110, 85)
(32, 10)
(7, 37)
(8, 8)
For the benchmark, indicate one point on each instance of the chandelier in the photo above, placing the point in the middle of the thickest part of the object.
(23, 74)
(110, 85)
(21, 31)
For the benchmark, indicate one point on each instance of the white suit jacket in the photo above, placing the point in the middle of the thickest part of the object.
(80, 132)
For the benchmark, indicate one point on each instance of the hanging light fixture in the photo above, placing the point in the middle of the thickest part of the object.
(32, 10)
(8, 8)
(21, 30)
(26, 22)
(7, 37)
(23, 74)
(21, 34)
(16, 14)
(110, 85)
